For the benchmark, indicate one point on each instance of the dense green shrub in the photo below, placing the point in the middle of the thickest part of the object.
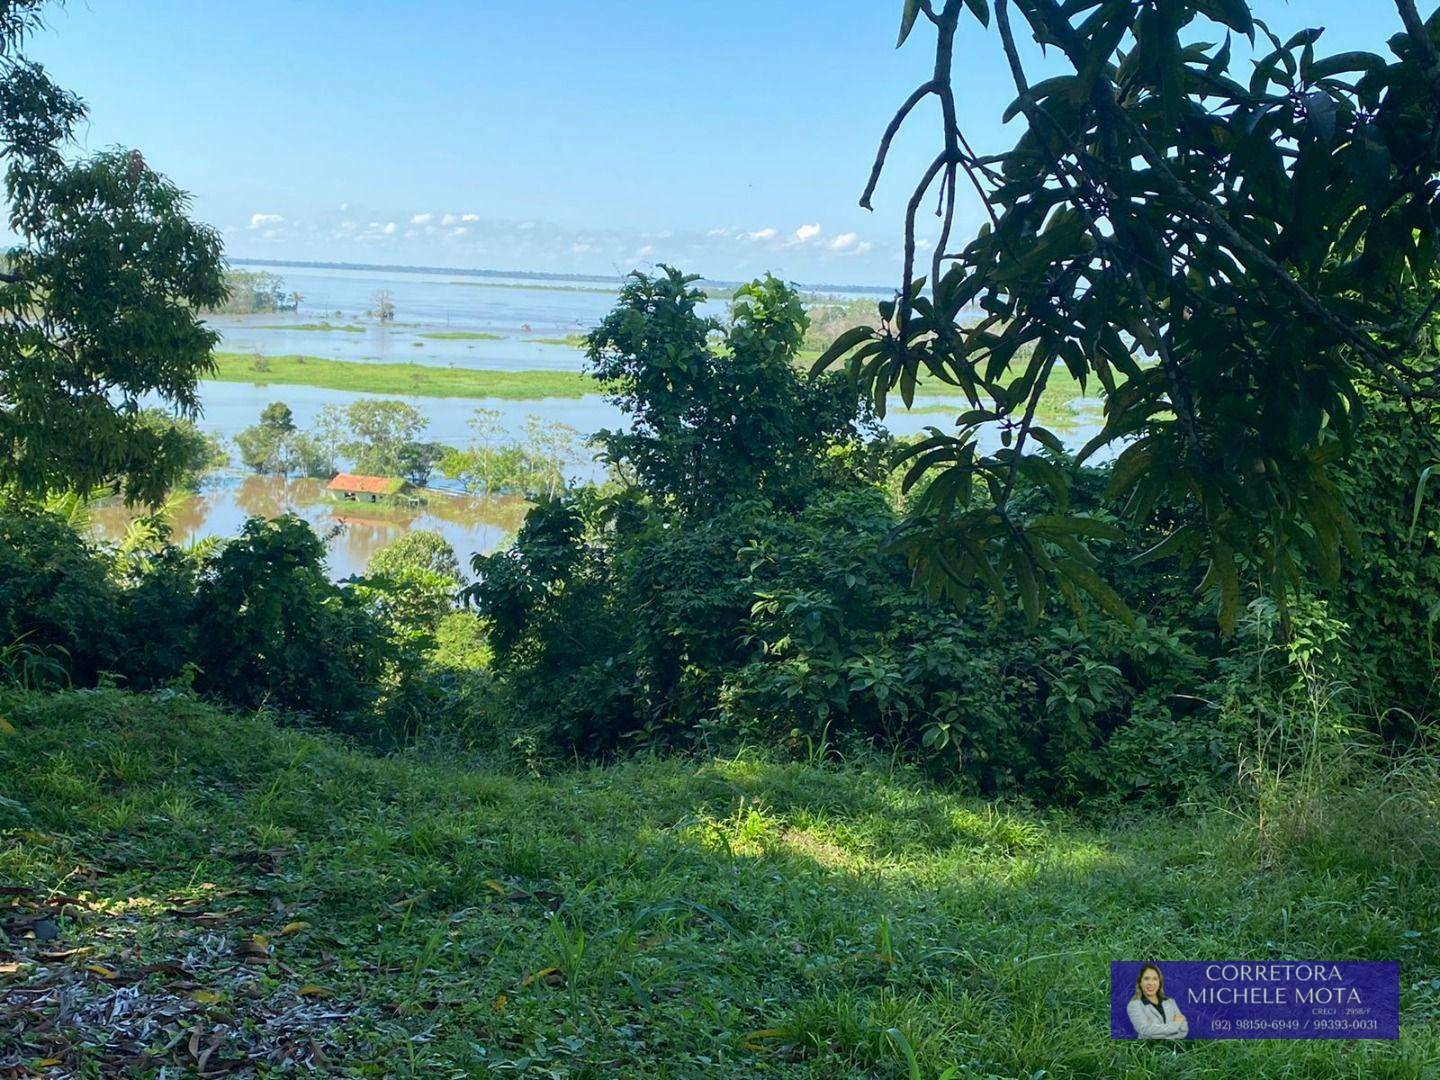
(1390, 595)
(272, 629)
(56, 594)
(251, 621)
(679, 607)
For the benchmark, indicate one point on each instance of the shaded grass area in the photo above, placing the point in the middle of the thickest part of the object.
(414, 379)
(320, 327)
(461, 335)
(679, 918)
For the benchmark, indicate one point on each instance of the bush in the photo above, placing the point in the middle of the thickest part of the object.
(273, 629)
(56, 594)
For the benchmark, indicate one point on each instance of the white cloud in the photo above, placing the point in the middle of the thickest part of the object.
(421, 219)
(923, 245)
(717, 233)
(844, 242)
(448, 219)
(761, 234)
(344, 206)
(347, 226)
(807, 232)
(581, 249)
(469, 217)
(260, 220)
(389, 229)
(648, 249)
(459, 230)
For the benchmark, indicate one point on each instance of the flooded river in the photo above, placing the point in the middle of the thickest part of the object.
(354, 532)
(525, 319)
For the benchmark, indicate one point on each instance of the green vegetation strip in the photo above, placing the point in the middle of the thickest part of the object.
(413, 379)
(689, 917)
(320, 327)
(461, 335)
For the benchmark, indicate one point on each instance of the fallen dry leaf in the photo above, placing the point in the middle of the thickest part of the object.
(314, 990)
(294, 927)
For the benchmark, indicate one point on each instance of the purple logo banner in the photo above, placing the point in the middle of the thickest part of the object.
(1255, 999)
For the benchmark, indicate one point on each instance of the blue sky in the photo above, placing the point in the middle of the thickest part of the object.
(561, 136)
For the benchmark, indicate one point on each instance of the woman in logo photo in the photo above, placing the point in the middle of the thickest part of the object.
(1151, 1012)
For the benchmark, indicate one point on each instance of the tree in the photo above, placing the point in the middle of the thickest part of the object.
(715, 413)
(276, 446)
(201, 451)
(1236, 265)
(549, 448)
(381, 438)
(296, 298)
(99, 301)
(382, 305)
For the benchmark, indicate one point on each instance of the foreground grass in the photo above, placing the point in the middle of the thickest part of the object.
(736, 918)
(416, 379)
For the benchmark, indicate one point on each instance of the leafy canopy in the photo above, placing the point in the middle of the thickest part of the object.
(717, 412)
(1234, 263)
(98, 301)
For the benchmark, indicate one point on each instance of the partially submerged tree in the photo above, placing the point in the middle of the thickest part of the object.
(1236, 264)
(98, 302)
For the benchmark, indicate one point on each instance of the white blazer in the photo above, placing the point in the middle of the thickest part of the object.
(1149, 1026)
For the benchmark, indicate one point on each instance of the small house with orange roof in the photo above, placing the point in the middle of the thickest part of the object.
(357, 487)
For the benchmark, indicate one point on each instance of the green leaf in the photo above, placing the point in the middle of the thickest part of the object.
(840, 346)
(1224, 574)
(1419, 498)
(1346, 61)
(980, 9)
(907, 20)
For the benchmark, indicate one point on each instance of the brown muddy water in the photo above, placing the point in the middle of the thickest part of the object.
(354, 531)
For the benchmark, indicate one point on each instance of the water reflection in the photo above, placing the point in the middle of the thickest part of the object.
(354, 532)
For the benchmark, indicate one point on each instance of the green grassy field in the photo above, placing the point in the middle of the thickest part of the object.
(320, 327)
(461, 335)
(427, 381)
(416, 379)
(291, 899)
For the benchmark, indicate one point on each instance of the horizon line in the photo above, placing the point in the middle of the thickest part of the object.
(537, 275)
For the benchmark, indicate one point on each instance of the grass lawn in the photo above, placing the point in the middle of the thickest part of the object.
(416, 379)
(291, 899)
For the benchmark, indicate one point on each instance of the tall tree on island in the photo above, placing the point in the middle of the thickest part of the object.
(1237, 266)
(99, 301)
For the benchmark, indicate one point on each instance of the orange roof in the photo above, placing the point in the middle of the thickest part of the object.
(367, 485)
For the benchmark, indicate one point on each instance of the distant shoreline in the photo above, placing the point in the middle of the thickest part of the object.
(528, 275)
